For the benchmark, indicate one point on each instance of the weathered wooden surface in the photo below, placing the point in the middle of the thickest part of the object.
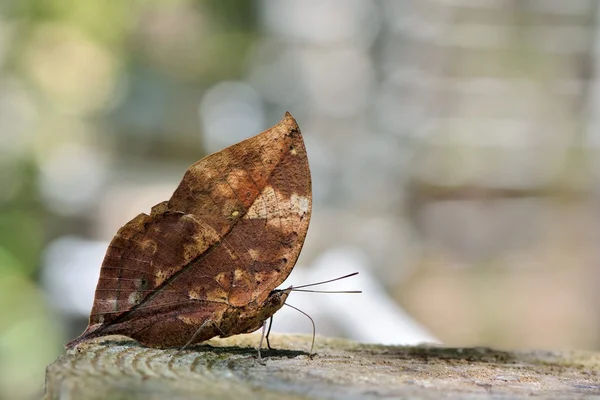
(228, 369)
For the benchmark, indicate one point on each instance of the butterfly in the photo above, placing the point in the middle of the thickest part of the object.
(206, 262)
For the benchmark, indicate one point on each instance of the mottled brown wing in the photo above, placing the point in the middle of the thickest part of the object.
(230, 234)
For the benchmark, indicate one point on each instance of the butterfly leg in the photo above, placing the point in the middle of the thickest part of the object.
(204, 325)
(268, 332)
(262, 336)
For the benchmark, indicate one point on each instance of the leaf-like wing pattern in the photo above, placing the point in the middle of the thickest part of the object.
(230, 234)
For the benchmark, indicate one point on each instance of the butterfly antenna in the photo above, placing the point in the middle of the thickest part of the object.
(313, 328)
(323, 282)
(326, 291)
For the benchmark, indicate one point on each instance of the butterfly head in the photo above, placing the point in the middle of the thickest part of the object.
(277, 299)
(255, 316)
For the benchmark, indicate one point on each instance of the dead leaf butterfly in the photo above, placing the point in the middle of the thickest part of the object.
(206, 262)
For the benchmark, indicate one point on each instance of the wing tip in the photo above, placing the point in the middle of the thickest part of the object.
(89, 333)
(290, 121)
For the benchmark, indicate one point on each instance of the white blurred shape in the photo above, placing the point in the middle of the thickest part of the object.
(71, 268)
(371, 316)
(230, 112)
(560, 39)
(18, 115)
(323, 22)
(276, 71)
(572, 7)
(340, 80)
(71, 177)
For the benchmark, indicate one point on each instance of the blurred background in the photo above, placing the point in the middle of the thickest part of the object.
(453, 148)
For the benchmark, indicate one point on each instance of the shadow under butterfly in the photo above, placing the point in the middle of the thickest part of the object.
(206, 262)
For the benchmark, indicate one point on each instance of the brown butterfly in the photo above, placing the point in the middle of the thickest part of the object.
(206, 263)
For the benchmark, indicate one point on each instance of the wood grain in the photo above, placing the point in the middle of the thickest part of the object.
(228, 369)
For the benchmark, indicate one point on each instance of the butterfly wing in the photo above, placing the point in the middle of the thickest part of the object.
(230, 234)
